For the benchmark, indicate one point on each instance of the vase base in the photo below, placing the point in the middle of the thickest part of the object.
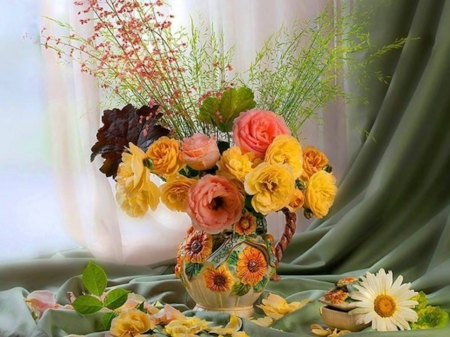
(244, 312)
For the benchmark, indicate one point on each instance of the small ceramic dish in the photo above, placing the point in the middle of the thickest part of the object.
(342, 320)
(344, 306)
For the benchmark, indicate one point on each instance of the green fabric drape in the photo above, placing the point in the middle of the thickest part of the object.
(392, 210)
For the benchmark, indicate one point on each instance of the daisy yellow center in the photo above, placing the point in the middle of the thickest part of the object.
(385, 305)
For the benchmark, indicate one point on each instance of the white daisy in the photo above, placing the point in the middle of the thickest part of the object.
(386, 305)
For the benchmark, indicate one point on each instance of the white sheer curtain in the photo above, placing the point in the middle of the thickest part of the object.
(90, 213)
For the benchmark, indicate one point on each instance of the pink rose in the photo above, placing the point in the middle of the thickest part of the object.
(41, 300)
(200, 152)
(214, 204)
(254, 130)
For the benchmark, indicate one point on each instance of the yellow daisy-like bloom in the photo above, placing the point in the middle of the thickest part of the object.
(320, 193)
(251, 266)
(246, 224)
(165, 156)
(137, 204)
(286, 149)
(198, 246)
(276, 306)
(385, 303)
(174, 193)
(131, 323)
(234, 164)
(297, 201)
(219, 279)
(272, 187)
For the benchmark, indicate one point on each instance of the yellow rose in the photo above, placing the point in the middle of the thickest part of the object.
(320, 193)
(235, 165)
(272, 187)
(313, 161)
(297, 201)
(174, 193)
(132, 173)
(165, 156)
(136, 204)
(131, 323)
(286, 149)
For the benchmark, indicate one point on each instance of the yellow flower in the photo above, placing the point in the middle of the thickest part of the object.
(187, 326)
(286, 149)
(251, 266)
(230, 329)
(130, 323)
(235, 165)
(314, 160)
(165, 156)
(276, 307)
(174, 193)
(320, 193)
(135, 192)
(297, 201)
(263, 321)
(137, 204)
(239, 334)
(132, 173)
(318, 330)
(219, 279)
(272, 187)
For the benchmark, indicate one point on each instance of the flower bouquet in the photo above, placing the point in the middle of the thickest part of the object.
(227, 182)
(224, 144)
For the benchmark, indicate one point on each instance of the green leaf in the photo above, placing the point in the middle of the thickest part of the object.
(240, 289)
(192, 269)
(116, 298)
(94, 279)
(233, 259)
(421, 299)
(208, 110)
(430, 317)
(223, 112)
(261, 285)
(235, 101)
(223, 146)
(107, 319)
(87, 304)
(141, 307)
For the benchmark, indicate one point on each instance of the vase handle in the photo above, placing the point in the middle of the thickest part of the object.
(289, 231)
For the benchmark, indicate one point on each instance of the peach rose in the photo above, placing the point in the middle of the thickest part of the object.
(214, 204)
(313, 161)
(254, 130)
(200, 152)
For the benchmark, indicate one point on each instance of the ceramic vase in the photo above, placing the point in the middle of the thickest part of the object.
(228, 271)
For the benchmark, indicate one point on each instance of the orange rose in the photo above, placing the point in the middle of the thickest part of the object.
(200, 152)
(254, 130)
(313, 161)
(165, 156)
(214, 204)
(297, 201)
